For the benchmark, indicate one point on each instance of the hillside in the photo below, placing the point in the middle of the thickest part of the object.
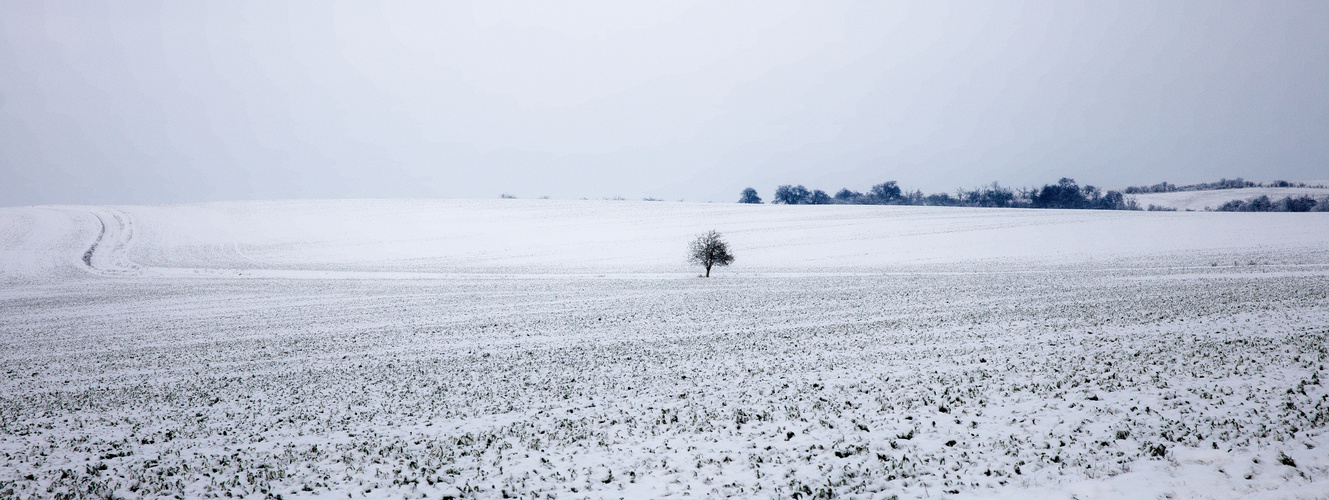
(1212, 199)
(563, 349)
(545, 236)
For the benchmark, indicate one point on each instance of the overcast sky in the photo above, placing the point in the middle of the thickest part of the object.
(139, 102)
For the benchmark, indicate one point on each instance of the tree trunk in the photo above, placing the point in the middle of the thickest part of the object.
(708, 270)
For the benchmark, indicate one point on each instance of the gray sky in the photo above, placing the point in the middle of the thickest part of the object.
(138, 102)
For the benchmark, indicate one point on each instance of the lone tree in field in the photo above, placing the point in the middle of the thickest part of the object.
(750, 196)
(709, 250)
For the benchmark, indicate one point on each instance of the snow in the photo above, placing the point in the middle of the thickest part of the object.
(467, 348)
(525, 237)
(1212, 199)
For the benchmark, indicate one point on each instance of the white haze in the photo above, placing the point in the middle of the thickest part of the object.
(143, 102)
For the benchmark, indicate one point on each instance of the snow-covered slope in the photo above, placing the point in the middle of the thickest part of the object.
(1212, 199)
(543, 236)
(564, 349)
(44, 243)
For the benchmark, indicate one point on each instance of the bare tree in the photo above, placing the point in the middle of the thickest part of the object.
(792, 195)
(710, 250)
(750, 196)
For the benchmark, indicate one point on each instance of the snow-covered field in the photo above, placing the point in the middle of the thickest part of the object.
(1212, 199)
(564, 349)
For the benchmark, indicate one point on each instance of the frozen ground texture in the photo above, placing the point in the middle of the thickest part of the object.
(545, 349)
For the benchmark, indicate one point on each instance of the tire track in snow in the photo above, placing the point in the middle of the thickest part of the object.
(106, 255)
(87, 256)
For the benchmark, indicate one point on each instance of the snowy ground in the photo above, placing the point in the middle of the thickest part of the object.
(541, 349)
(1212, 199)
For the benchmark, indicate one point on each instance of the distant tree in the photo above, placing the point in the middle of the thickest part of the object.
(507, 196)
(1113, 200)
(1091, 193)
(886, 192)
(997, 196)
(992, 195)
(1259, 204)
(969, 198)
(710, 250)
(1303, 204)
(792, 195)
(847, 196)
(749, 196)
(914, 198)
(1224, 183)
(1064, 194)
(1262, 203)
(941, 200)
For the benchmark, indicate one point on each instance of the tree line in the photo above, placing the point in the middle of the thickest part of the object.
(1224, 183)
(1064, 194)
(1262, 203)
